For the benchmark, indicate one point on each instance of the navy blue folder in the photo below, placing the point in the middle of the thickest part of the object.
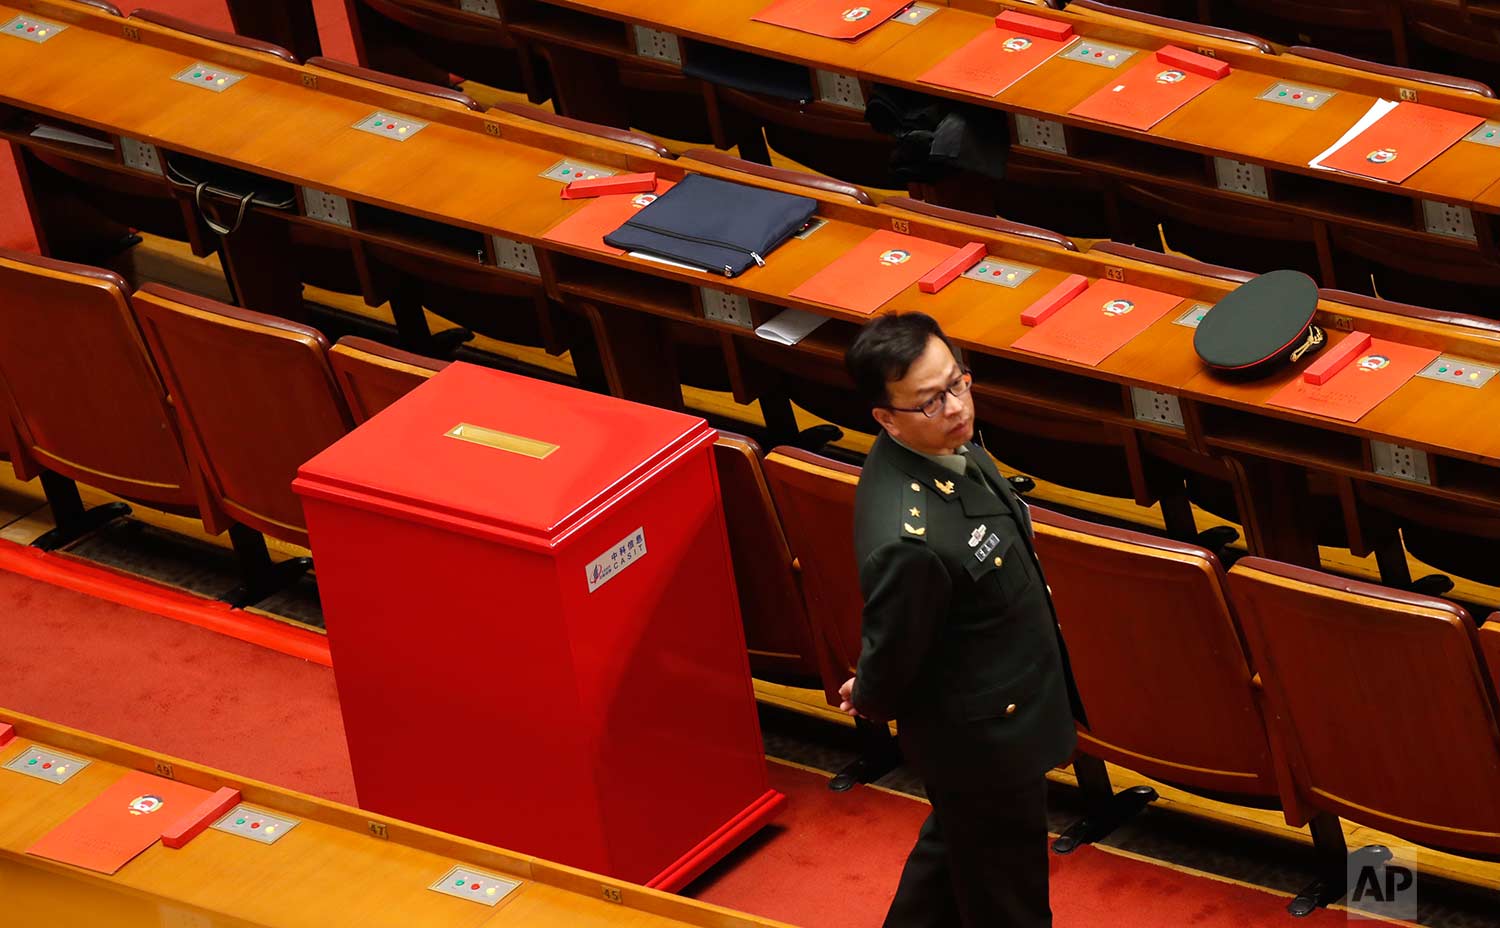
(714, 224)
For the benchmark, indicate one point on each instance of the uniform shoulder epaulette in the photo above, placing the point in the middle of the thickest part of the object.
(914, 511)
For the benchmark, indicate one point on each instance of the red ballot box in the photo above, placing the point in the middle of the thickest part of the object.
(535, 634)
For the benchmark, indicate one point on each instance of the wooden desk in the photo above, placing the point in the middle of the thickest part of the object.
(337, 866)
(1175, 154)
(486, 181)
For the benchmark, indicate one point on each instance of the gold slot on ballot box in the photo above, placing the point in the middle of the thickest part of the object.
(505, 441)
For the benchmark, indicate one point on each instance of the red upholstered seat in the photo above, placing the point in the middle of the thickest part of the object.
(86, 400)
(255, 398)
(1158, 657)
(815, 496)
(372, 376)
(777, 630)
(1380, 702)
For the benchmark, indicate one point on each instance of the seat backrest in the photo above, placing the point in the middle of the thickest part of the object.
(255, 398)
(372, 376)
(1379, 701)
(777, 632)
(1425, 313)
(1489, 643)
(815, 496)
(1172, 262)
(992, 223)
(86, 399)
(783, 175)
(1452, 27)
(1157, 655)
(537, 114)
(395, 81)
(1406, 75)
(1254, 42)
(435, 18)
(178, 24)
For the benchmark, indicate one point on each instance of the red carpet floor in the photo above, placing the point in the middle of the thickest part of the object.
(333, 31)
(830, 861)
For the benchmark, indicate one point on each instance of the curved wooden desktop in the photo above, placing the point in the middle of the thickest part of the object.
(1177, 153)
(338, 866)
(480, 172)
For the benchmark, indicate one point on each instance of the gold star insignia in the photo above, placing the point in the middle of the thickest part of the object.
(915, 512)
(945, 485)
(914, 531)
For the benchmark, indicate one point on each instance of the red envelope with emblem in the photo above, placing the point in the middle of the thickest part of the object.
(1144, 95)
(833, 19)
(1379, 371)
(992, 62)
(1401, 142)
(586, 227)
(120, 822)
(863, 278)
(1097, 322)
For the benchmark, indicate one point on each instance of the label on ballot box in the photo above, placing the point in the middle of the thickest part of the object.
(608, 565)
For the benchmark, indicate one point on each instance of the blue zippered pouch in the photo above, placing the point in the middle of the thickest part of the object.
(714, 224)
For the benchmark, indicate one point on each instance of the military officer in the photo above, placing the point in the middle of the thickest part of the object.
(960, 643)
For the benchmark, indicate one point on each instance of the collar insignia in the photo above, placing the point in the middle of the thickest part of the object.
(944, 485)
(914, 531)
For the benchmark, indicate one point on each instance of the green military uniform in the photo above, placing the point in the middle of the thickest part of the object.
(961, 646)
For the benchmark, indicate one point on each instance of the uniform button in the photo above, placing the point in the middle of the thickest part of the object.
(1010, 709)
(999, 561)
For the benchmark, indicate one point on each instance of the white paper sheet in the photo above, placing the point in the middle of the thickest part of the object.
(55, 134)
(790, 326)
(667, 261)
(1377, 110)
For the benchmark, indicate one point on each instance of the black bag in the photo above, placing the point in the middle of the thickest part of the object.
(244, 187)
(750, 73)
(937, 137)
(714, 224)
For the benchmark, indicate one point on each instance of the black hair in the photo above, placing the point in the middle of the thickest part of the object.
(885, 350)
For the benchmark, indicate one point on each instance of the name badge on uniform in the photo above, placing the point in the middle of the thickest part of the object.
(983, 552)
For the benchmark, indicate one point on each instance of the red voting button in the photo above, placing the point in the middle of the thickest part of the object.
(30, 28)
(474, 886)
(46, 765)
(255, 824)
(1459, 372)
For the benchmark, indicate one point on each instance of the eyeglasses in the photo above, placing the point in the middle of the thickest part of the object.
(932, 407)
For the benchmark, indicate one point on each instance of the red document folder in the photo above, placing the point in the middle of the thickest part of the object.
(867, 275)
(994, 60)
(121, 822)
(1401, 142)
(601, 216)
(1097, 322)
(834, 19)
(1379, 371)
(1144, 95)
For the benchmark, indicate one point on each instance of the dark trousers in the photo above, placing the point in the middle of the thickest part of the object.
(980, 862)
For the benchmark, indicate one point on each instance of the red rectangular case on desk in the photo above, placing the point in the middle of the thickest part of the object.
(535, 635)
